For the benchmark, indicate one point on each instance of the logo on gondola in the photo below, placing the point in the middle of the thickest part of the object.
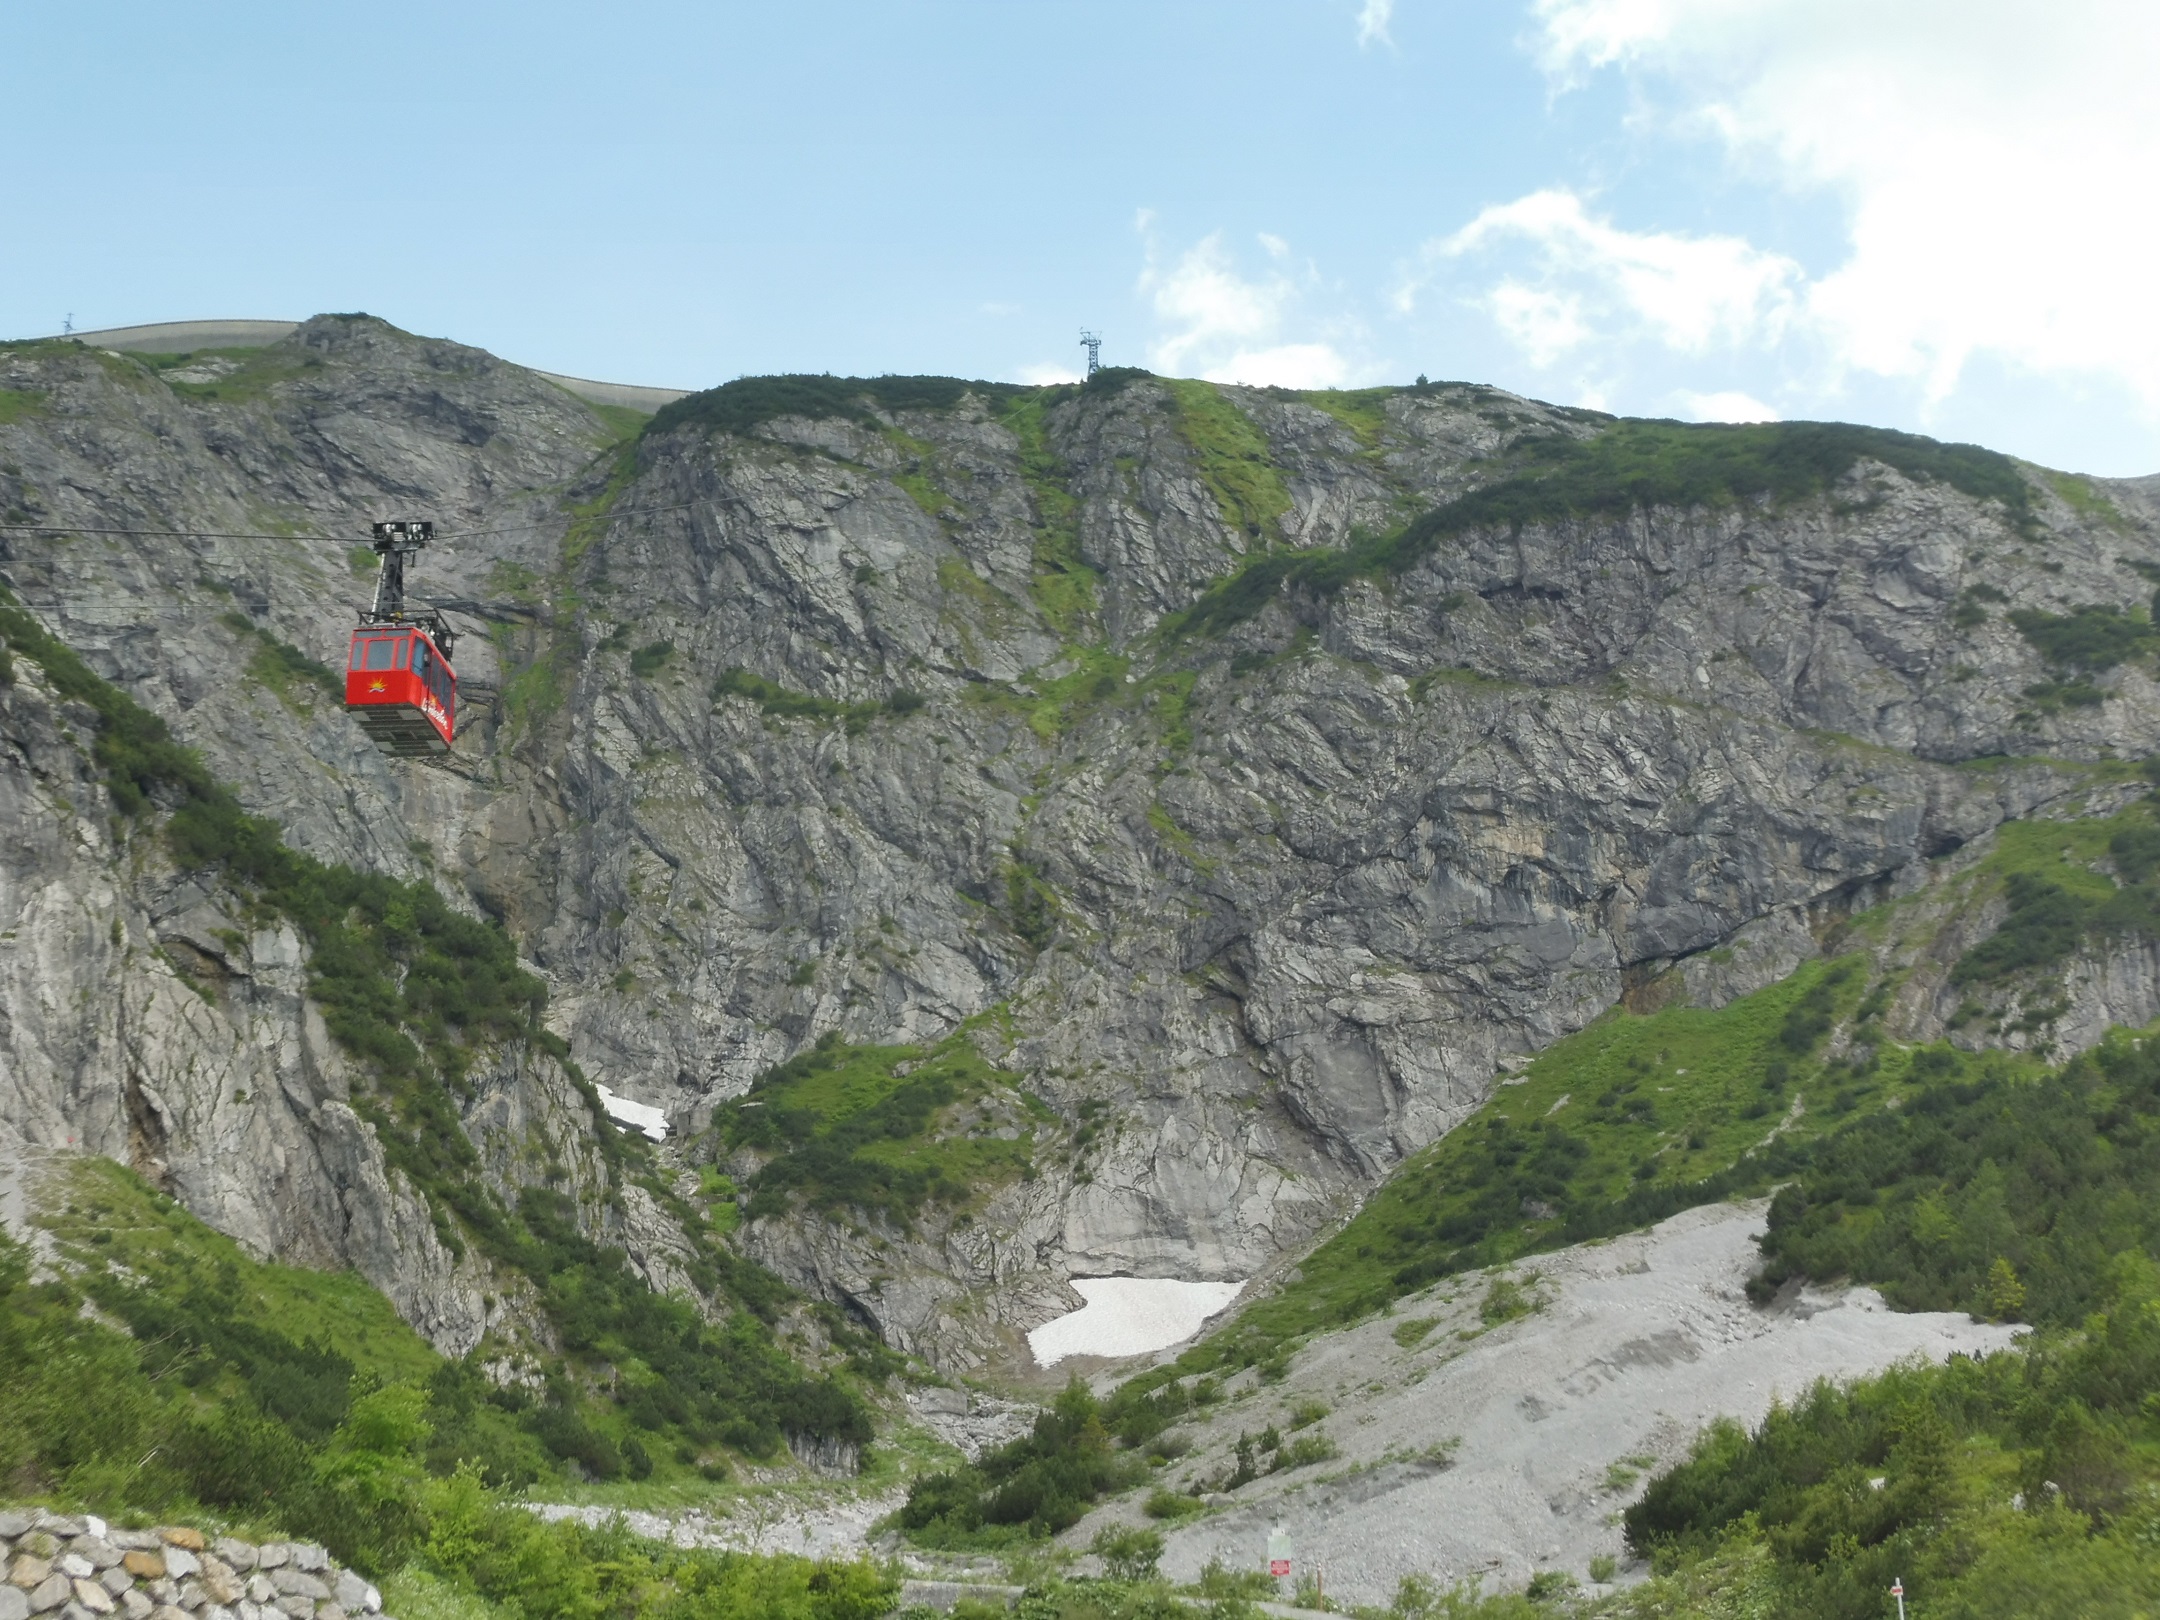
(377, 686)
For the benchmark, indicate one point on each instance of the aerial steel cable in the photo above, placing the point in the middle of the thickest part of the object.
(165, 534)
(322, 539)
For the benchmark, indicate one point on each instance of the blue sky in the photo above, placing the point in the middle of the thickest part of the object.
(1927, 214)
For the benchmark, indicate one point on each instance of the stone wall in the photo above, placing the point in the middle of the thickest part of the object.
(81, 1568)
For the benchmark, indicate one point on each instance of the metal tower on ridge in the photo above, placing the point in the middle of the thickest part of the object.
(1093, 344)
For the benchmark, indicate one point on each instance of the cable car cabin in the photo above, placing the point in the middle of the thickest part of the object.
(402, 691)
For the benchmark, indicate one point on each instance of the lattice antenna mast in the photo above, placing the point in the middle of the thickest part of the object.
(1092, 342)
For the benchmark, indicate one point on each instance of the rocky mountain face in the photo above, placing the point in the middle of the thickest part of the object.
(1137, 762)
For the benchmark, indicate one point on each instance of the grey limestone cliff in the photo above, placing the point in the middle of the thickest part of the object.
(880, 721)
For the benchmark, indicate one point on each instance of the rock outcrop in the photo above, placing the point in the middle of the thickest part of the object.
(881, 721)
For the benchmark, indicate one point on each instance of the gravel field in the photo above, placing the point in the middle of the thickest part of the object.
(1485, 1451)
(1475, 1450)
(817, 1528)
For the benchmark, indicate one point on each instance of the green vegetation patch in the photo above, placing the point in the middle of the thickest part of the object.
(958, 580)
(1114, 380)
(2082, 497)
(2024, 1482)
(1098, 680)
(90, 1414)
(885, 1130)
(620, 423)
(742, 406)
(255, 371)
(540, 669)
(2052, 697)
(1058, 704)
(280, 667)
(1631, 465)
(1028, 1490)
(198, 1294)
(1362, 410)
(17, 404)
(2087, 638)
(212, 1413)
(1994, 1194)
(2059, 900)
(1064, 587)
(1031, 901)
(1232, 457)
(784, 703)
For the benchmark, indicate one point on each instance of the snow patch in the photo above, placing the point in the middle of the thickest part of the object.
(1130, 1316)
(638, 1116)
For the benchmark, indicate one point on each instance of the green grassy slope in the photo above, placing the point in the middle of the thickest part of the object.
(213, 1415)
(107, 1220)
(882, 1130)
(2024, 1483)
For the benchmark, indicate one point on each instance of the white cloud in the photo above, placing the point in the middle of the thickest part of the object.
(1372, 24)
(1227, 327)
(1579, 34)
(1044, 372)
(1993, 159)
(1287, 365)
(1730, 406)
(1544, 325)
(1692, 293)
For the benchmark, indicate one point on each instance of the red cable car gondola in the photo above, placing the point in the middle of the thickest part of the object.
(398, 680)
(402, 690)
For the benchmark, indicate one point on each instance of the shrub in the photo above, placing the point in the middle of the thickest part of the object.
(1504, 1301)
(1927, 1200)
(2046, 923)
(1128, 1553)
(1168, 1504)
(783, 703)
(1412, 1333)
(1303, 1452)
(846, 1130)
(2088, 638)
(1033, 1487)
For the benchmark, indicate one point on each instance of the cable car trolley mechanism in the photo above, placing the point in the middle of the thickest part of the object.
(399, 683)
